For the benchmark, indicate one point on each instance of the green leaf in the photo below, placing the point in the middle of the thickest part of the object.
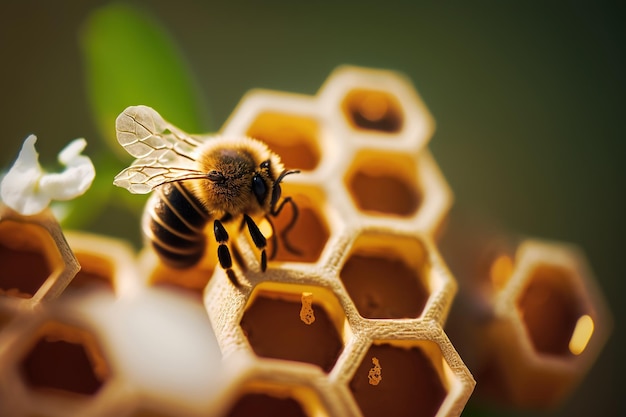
(130, 60)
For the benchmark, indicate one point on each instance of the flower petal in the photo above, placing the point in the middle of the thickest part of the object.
(75, 179)
(19, 189)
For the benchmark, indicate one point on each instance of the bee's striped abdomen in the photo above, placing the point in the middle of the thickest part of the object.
(174, 221)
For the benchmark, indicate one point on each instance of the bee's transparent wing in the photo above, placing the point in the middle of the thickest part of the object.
(144, 133)
(164, 153)
(142, 178)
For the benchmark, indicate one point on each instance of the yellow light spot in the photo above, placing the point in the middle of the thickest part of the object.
(581, 334)
(266, 228)
(501, 270)
(375, 373)
(306, 312)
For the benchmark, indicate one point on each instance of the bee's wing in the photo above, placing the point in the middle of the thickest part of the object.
(141, 178)
(142, 131)
(164, 153)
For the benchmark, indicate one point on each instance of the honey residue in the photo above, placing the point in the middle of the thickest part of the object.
(375, 374)
(306, 312)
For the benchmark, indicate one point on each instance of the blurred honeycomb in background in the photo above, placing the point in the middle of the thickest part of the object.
(353, 325)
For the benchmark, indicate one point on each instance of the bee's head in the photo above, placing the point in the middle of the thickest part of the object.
(242, 176)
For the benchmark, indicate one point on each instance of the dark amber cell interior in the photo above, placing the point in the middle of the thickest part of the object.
(384, 194)
(384, 287)
(384, 184)
(373, 110)
(28, 256)
(275, 329)
(256, 404)
(550, 307)
(293, 137)
(410, 383)
(63, 363)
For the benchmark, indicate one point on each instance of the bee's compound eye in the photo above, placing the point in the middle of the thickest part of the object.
(259, 188)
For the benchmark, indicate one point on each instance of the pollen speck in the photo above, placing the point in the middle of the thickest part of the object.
(375, 373)
(306, 312)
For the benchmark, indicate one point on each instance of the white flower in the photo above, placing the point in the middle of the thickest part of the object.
(27, 189)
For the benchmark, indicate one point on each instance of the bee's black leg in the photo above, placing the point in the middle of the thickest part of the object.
(223, 253)
(274, 237)
(283, 235)
(259, 240)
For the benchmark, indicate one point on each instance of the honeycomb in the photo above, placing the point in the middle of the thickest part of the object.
(352, 324)
(548, 322)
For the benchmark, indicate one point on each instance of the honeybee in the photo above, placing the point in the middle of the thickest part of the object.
(196, 180)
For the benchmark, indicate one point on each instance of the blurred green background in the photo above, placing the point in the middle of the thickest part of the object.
(528, 99)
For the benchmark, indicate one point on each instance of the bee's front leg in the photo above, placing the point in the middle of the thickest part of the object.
(259, 240)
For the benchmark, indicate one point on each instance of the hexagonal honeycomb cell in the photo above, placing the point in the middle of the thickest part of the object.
(310, 233)
(389, 276)
(384, 184)
(293, 137)
(411, 380)
(550, 308)
(65, 359)
(373, 110)
(376, 108)
(36, 261)
(275, 328)
(28, 263)
(549, 321)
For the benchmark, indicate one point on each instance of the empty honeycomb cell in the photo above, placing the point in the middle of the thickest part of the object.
(264, 398)
(548, 324)
(310, 232)
(28, 256)
(386, 276)
(373, 110)
(550, 309)
(411, 380)
(65, 359)
(95, 272)
(295, 138)
(274, 328)
(384, 184)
